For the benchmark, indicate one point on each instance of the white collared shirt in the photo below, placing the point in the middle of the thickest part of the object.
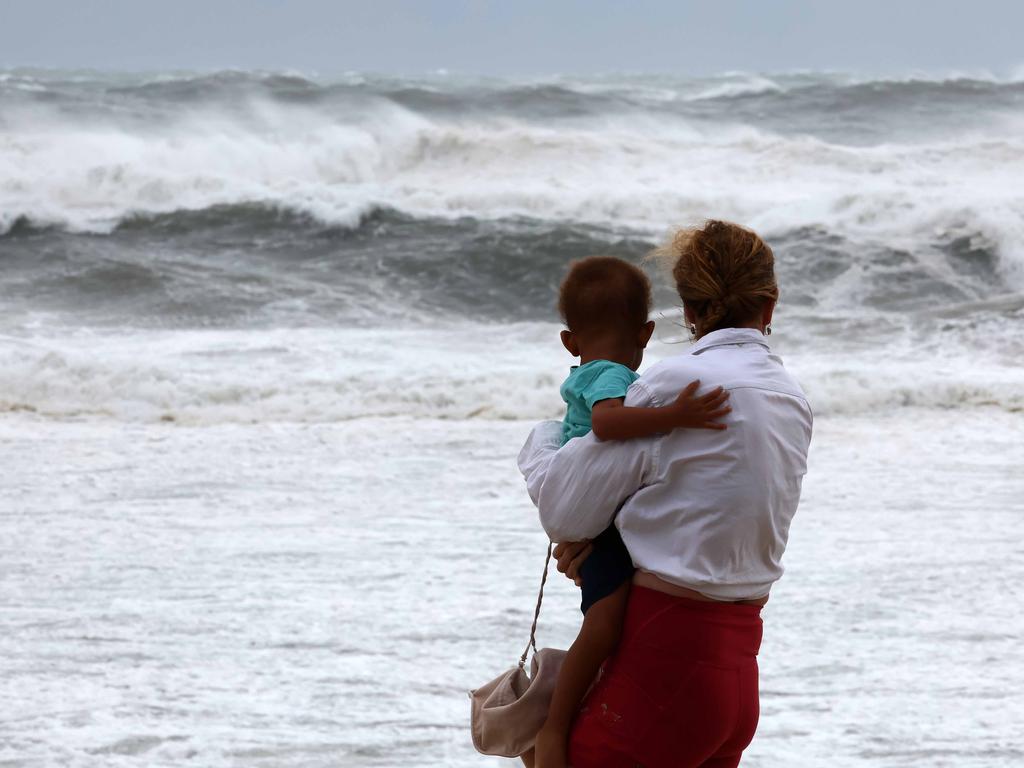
(705, 509)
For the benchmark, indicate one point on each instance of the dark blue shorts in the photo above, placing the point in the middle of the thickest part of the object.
(607, 568)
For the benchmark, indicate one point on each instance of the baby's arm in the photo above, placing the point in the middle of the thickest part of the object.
(602, 627)
(611, 420)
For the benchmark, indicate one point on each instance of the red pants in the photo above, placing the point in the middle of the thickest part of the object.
(680, 691)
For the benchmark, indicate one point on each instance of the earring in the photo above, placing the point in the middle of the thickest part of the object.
(693, 331)
(768, 330)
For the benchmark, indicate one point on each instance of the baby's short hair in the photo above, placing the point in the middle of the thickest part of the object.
(602, 292)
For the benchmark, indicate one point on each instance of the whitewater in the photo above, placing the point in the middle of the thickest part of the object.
(269, 345)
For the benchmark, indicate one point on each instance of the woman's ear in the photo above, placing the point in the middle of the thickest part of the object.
(569, 342)
(691, 322)
(645, 334)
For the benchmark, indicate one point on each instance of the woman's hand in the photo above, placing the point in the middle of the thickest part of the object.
(700, 412)
(549, 750)
(570, 556)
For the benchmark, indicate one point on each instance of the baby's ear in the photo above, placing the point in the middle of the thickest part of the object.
(569, 342)
(645, 333)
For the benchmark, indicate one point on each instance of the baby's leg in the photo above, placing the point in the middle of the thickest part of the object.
(600, 633)
(607, 574)
(602, 625)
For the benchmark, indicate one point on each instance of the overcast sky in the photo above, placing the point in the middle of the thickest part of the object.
(527, 37)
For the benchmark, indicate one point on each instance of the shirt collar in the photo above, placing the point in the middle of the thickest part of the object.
(724, 336)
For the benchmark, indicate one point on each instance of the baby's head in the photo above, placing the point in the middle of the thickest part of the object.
(604, 303)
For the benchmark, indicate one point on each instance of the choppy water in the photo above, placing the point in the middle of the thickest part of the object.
(322, 595)
(269, 344)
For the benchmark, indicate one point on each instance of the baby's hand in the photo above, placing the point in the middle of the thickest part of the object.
(700, 412)
(569, 556)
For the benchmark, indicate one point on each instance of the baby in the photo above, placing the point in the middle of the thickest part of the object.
(604, 303)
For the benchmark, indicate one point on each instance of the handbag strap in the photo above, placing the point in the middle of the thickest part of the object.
(536, 612)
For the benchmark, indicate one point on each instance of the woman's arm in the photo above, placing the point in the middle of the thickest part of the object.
(578, 488)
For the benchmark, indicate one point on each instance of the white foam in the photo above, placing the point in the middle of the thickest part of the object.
(324, 596)
(329, 375)
(742, 86)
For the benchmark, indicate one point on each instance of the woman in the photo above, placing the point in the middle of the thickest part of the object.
(704, 514)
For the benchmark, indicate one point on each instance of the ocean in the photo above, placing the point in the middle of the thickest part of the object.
(270, 343)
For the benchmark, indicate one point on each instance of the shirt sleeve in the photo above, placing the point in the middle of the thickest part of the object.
(612, 382)
(579, 487)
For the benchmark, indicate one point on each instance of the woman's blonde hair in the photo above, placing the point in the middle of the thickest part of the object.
(724, 273)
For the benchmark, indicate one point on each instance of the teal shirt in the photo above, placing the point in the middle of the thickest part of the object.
(588, 384)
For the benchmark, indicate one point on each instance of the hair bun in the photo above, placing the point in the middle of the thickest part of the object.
(724, 273)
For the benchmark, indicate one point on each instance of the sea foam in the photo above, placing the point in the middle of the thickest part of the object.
(330, 375)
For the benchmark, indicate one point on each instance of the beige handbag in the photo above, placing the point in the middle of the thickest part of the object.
(507, 712)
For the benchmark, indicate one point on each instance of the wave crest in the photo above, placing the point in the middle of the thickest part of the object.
(643, 152)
